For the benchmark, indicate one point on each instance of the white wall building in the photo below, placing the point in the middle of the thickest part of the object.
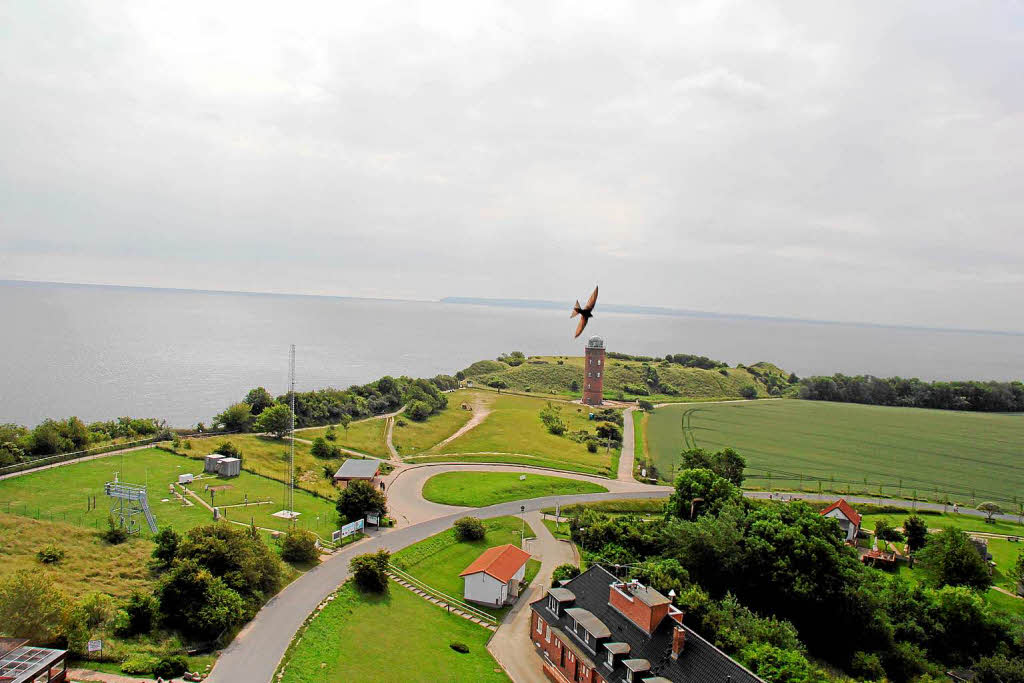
(495, 577)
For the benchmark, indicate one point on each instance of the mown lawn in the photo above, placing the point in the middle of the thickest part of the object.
(268, 457)
(437, 561)
(397, 636)
(938, 520)
(514, 428)
(414, 437)
(478, 489)
(61, 493)
(364, 436)
(965, 457)
(558, 530)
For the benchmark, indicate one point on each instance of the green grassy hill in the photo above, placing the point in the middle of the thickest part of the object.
(556, 375)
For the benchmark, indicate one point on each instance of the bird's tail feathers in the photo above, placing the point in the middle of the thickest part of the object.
(575, 309)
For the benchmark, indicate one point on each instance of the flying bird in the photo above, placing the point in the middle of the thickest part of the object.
(585, 313)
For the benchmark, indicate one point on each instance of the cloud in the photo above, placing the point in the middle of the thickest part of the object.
(828, 161)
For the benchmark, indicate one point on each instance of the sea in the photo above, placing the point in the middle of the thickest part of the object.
(100, 352)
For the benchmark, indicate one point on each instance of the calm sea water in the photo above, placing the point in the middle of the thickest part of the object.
(100, 352)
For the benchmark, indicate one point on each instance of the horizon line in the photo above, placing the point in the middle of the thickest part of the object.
(630, 309)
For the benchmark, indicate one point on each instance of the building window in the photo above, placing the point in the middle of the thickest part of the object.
(588, 386)
(598, 361)
(540, 625)
(599, 374)
(611, 659)
(590, 361)
(547, 634)
(561, 656)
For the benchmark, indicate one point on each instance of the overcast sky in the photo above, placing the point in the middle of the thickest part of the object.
(851, 161)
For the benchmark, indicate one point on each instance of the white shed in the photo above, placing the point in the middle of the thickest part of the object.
(229, 467)
(211, 463)
(494, 578)
(849, 520)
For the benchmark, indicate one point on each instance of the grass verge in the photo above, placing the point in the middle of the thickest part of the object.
(479, 489)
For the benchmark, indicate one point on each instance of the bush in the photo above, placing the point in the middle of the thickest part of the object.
(229, 450)
(300, 546)
(370, 571)
(98, 608)
(139, 664)
(331, 434)
(469, 529)
(748, 392)
(418, 411)
(141, 613)
(591, 446)
(644, 405)
(563, 572)
(170, 667)
(460, 647)
(636, 390)
(358, 498)
(114, 535)
(321, 449)
(50, 554)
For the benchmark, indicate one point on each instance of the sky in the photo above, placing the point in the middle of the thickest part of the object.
(843, 161)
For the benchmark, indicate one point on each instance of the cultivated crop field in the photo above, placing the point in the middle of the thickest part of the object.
(847, 447)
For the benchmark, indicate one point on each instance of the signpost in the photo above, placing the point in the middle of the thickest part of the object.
(95, 646)
(348, 530)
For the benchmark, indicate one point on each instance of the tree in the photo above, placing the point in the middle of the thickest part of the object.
(1017, 571)
(358, 498)
(277, 420)
(663, 575)
(999, 669)
(142, 610)
(563, 572)
(236, 418)
(515, 358)
(299, 545)
(916, 531)
(551, 416)
(698, 491)
(370, 571)
(259, 399)
(885, 531)
(167, 540)
(31, 606)
(990, 509)
(469, 529)
(726, 463)
(777, 665)
(609, 430)
(418, 411)
(950, 559)
(197, 602)
(238, 556)
(321, 449)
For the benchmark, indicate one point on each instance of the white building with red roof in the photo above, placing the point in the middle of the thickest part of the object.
(849, 520)
(494, 578)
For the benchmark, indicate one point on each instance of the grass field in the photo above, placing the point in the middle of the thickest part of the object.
(60, 494)
(393, 637)
(514, 428)
(415, 437)
(555, 375)
(641, 456)
(365, 436)
(965, 457)
(477, 489)
(268, 457)
(560, 530)
(438, 560)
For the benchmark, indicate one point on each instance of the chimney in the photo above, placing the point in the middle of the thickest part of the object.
(644, 606)
(678, 641)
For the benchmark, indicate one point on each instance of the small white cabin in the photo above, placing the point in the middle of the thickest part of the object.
(849, 520)
(494, 578)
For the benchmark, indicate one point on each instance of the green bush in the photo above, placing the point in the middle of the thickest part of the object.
(563, 572)
(299, 545)
(228, 450)
(139, 664)
(591, 446)
(461, 648)
(418, 411)
(748, 392)
(141, 612)
(469, 529)
(170, 667)
(51, 554)
(114, 535)
(370, 571)
(98, 608)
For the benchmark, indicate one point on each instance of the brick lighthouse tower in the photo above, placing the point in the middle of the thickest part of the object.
(593, 394)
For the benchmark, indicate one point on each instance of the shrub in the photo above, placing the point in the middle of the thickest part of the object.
(170, 667)
(167, 540)
(636, 390)
(98, 608)
(644, 405)
(141, 612)
(331, 434)
(723, 372)
(400, 422)
(321, 449)
(469, 529)
(461, 648)
(300, 546)
(358, 498)
(591, 446)
(114, 535)
(748, 392)
(50, 554)
(370, 571)
(139, 664)
(563, 572)
(228, 449)
(418, 411)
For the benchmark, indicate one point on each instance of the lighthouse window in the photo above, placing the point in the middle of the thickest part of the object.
(598, 361)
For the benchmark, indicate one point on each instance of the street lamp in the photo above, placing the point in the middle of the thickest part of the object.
(522, 534)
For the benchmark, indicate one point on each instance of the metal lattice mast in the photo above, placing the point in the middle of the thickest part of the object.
(291, 450)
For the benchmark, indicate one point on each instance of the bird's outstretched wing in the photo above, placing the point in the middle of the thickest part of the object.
(592, 300)
(579, 328)
(575, 309)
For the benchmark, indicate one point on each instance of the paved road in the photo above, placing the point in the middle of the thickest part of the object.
(628, 455)
(254, 654)
(511, 644)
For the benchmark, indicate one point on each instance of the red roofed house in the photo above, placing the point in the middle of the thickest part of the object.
(494, 577)
(849, 520)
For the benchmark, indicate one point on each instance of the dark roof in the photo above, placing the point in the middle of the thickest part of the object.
(699, 661)
(562, 594)
(355, 468)
(25, 663)
(587, 620)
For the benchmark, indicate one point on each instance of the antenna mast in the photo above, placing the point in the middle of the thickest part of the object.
(291, 450)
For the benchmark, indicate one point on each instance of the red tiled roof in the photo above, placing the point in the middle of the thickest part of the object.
(501, 562)
(845, 508)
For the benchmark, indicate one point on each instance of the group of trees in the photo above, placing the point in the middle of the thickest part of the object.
(259, 411)
(359, 498)
(913, 393)
(52, 437)
(774, 585)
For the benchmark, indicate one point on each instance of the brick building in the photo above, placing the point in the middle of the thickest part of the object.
(597, 629)
(593, 371)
